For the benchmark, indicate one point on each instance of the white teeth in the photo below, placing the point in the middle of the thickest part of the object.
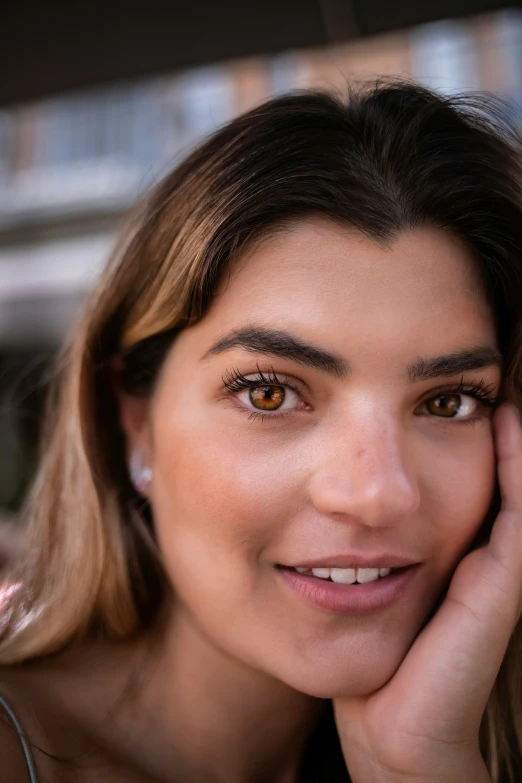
(322, 573)
(347, 576)
(344, 576)
(365, 575)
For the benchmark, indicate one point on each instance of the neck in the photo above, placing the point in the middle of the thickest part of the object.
(179, 703)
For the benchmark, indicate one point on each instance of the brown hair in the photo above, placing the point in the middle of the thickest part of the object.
(390, 158)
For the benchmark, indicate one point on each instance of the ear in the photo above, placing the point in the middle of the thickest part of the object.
(133, 414)
(134, 420)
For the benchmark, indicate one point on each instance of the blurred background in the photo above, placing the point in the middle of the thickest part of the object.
(98, 102)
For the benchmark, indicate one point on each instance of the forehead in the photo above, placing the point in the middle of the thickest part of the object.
(380, 308)
(322, 271)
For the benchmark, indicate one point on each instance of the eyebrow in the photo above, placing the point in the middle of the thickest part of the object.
(453, 363)
(275, 342)
(284, 344)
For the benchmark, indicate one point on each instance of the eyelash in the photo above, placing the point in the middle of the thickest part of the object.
(234, 382)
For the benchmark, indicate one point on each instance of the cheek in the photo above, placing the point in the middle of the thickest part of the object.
(459, 489)
(217, 497)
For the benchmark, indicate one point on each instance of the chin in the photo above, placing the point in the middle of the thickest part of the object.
(331, 679)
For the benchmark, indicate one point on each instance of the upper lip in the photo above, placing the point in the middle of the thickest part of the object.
(381, 560)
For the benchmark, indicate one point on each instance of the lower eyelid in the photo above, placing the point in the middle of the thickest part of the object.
(253, 413)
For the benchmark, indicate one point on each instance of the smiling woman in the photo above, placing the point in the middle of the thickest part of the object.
(276, 535)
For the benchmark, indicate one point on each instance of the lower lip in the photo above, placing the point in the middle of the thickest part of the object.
(350, 599)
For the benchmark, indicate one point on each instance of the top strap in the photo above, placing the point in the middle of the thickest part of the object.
(23, 740)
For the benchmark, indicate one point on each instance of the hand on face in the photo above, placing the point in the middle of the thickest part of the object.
(426, 718)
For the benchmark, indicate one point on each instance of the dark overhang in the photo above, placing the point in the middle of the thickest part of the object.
(51, 47)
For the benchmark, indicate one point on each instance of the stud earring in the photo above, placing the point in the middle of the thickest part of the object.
(140, 474)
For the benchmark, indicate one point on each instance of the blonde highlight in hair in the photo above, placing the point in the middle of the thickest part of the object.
(390, 158)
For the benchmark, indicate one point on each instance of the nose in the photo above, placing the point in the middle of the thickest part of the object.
(363, 473)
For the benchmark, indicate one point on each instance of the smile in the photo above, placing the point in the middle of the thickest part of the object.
(347, 576)
(340, 590)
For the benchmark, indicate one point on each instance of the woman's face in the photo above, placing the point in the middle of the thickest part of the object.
(358, 454)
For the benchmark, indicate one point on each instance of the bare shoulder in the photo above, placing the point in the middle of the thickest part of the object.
(30, 695)
(14, 767)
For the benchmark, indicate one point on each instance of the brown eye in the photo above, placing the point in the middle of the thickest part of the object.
(445, 405)
(267, 398)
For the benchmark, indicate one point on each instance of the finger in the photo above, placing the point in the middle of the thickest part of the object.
(506, 535)
(444, 682)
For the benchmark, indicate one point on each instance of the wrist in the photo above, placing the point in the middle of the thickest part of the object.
(471, 769)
